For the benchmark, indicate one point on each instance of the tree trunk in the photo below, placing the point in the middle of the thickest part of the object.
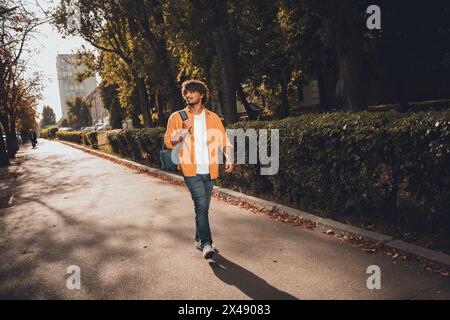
(324, 102)
(221, 101)
(343, 22)
(143, 100)
(14, 135)
(10, 145)
(401, 77)
(349, 87)
(222, 42)
(4, 159)
(158, 45)
(284, 108)
(175, 101)
(228, 78)
(160, 110)
(403, 97)
(250, 112)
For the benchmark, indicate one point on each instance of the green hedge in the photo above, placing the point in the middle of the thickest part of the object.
(89, 139)
(44, 133)
(49, 133)
(363, 163)
(366, 165)
(137, 144)
(71, 136)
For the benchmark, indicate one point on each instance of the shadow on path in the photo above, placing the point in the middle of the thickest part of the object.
(246, 281)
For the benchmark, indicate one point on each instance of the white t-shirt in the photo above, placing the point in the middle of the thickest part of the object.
(201, 143)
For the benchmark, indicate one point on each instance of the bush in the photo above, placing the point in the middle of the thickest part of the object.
(137, 144)
(71, 136)
(89, 139)
(44, 133)
(48, 133)
(363, 163)
(92, 139)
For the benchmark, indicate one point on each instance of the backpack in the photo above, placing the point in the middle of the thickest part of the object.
(166, 154)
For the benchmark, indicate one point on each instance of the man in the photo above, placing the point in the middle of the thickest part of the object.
(202, 135)
(33, 137)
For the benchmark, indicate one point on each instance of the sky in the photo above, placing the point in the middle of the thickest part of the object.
(47, 43)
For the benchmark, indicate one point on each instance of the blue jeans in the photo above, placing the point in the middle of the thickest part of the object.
(201, 187)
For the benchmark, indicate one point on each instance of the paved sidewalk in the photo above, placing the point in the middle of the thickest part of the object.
(132, 237)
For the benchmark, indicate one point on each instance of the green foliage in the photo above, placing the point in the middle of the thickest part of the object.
(273, 47)
(111, 101)
(72, 136)
(64, 123)
(48, 116)
(357, 163)
(92, 139)
(89, 139)
(79, 113)
(44, 133)
(48, 133)
(137, 144)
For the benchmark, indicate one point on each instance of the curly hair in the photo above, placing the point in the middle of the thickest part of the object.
(196, 85)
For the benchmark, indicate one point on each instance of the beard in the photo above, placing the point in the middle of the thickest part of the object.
(192, 102)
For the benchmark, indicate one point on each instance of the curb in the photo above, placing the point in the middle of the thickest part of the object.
(321, 223)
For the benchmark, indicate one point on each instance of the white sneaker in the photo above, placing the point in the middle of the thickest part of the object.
(198, 246)
(208, 251)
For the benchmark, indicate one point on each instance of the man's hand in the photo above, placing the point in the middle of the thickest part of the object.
(228, 152)
(229, 167)
(178, 137)
(187, 124)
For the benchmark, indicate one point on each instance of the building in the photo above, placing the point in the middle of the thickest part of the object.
(98, 112)
(69, 87)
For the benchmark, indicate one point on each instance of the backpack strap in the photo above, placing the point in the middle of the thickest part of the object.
(183, 115)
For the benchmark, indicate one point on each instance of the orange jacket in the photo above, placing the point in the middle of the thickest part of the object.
(216, 138)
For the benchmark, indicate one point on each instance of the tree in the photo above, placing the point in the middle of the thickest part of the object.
(48, 116)
(414, 44)
(26, 120)
(79, 113)
(262, 51)
(17, 90)
(342, 26)
(64, 123)
(126, 31)
(111, 102)
(210, 22)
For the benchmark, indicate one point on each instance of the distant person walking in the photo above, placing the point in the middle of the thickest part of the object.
(33, 137)
(202, 134)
